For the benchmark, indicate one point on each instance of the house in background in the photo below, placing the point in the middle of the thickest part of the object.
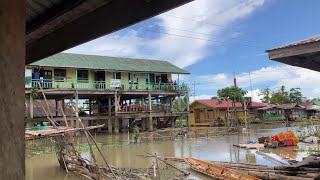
(269, 112)
(293, 111)
(205, 112)
(119, 92)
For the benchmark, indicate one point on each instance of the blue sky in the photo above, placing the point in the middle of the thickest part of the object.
(212, 39)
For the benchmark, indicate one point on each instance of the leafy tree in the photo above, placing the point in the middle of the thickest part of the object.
(279, 98)
(266, 93)
(175, 104)
(295, 95)
(233, 93)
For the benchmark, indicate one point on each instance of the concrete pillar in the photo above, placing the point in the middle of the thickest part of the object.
(149, 100)
(150, 124)
(110, 125)
(143, 124)
(12, 96)
(116, 125)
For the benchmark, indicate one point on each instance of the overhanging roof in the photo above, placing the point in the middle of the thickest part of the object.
(53, 26)
(305, 53)
(108, 63)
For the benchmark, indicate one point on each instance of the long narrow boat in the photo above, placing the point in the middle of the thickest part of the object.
(217, 171)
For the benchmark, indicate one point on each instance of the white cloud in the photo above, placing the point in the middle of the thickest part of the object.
(272, 77)
(255, 95)
(211, 18)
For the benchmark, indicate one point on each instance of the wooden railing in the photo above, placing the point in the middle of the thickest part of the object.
(66, 84)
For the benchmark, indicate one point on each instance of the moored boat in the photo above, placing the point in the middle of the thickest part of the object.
(217, 171)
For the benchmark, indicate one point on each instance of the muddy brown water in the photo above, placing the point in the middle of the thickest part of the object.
(119, 153)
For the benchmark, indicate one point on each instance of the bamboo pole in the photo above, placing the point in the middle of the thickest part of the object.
(184, 172)
(158, 170)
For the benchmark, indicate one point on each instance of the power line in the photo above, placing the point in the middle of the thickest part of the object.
(209, 40)
(211, 24)
(207, 34)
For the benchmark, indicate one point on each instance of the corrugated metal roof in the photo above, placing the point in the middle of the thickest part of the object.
(302, 42)
(108, 63)
(214, 103)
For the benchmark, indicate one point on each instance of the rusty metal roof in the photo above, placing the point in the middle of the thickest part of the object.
(66, 60)
(302, 42)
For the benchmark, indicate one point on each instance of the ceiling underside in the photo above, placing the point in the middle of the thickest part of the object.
(305, 56)
(53, 26)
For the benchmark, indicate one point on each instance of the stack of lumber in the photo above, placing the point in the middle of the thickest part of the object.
(51, 131)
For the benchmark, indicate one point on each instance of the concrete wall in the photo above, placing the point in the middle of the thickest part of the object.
(12, 65)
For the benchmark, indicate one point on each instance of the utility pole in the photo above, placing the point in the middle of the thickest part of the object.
(194, 89)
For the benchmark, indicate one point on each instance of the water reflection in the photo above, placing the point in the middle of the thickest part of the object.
(119, 153)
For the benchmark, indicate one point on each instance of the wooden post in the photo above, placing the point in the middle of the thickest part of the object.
(115, 103)
(90, 108)
(77, 109)
(172, 122)
(31, 107)
(245, 113)
(56, 107)
(109, 107)
(188, 109)
(109, 125)
(71, 115)
(143, 124)
(179, 102)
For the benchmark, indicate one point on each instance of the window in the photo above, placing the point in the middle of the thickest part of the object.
(132, 78)
(60, 74)
(82, 75)
(118, 75)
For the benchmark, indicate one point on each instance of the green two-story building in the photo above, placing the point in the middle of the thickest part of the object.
(119, 90)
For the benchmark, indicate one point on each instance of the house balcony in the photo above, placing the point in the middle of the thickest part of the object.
(102, 85)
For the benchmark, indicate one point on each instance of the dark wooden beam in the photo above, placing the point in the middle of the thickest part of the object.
(109, 18)
(304, 49)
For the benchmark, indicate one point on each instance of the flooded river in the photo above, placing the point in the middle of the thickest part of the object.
(121, 154)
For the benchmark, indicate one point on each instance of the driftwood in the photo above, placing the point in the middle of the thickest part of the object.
(272, 176)
(68, 156)
(272, 159)
(183, 171)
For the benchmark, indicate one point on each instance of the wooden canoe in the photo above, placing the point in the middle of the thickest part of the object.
(217, 171)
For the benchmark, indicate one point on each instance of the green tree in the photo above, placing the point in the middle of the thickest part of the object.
(295, 95)
(233, 93)
(280, 97)
(266, 93)
(175, 104)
